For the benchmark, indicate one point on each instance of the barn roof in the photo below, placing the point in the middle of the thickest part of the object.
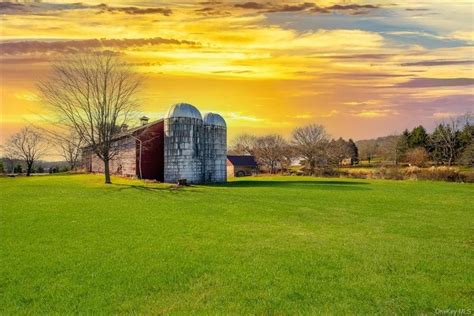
(242, 160)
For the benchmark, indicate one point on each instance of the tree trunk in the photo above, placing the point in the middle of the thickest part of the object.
(107, 171)
(28, 169)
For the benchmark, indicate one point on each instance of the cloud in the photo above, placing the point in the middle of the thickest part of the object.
(381, 56)
(135, 10)
(292, 8)
(27, 96)
(24, 47)
(238, 116)
(352, 7)
(363, 75)
(211, 11)
(210, 2)
(467, 36)
(39, 8)
(330, 113)
(42, 8)
(375, 113)
(445, 115)
(251, 5)
(317, 9)
(305, 6)
(435, 82)
(439, 63)
(11, 6)
(302, 116)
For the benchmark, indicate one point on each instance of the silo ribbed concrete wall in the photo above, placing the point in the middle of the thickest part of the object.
(183, 150)
(215, 153)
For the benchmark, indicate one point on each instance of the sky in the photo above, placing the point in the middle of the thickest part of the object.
(363, 69)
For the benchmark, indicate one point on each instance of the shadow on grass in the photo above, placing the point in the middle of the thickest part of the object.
(316, 184)
(144, 187)
(311, 184)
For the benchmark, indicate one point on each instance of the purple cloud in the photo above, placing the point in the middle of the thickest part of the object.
(435, 82)
(439, 63)
(23, 47)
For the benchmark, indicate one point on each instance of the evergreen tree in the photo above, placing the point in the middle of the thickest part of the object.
(466, 135)
(354, 151)
(418, 138)
(467, 156)
(402, 146)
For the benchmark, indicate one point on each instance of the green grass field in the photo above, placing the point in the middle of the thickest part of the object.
(283, 245)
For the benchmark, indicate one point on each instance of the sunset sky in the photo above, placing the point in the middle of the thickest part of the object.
(361, 68)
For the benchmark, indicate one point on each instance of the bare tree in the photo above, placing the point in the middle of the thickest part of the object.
(310, 142)
(28, 145)
(367, 149)
(445, 142)
(244, 144)
(388, 148)
(94, 94)
(288, 155)
(270, 150)
(70, 147)
(338, 150)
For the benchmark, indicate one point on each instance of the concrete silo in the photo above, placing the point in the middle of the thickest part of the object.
(183, 144)
(215, 148)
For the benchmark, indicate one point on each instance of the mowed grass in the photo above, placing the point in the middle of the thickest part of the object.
(282, 245)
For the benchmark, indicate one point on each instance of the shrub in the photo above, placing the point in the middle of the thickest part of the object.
(410, 173)
(417, 156)
(441, 174)
(389, 173)
(64, 169)
(18, 169)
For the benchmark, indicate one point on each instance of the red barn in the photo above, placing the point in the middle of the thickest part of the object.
(140, 153)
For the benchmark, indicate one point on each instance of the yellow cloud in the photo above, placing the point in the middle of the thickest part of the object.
(375, 113)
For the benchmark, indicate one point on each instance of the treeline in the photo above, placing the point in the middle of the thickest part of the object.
(312, 148)
(18, 166)
(450, 143)
(309, 146)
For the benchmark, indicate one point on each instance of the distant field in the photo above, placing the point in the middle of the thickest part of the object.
(281, 245)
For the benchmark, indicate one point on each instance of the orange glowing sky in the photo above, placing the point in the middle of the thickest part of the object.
(362, 68)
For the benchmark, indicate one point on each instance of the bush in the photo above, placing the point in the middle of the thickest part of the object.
(442, 174)
(326, 172)
(64, 169)
(18, 169)
(410, 173)
(417, 156)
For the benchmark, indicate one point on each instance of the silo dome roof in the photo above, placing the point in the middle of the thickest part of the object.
(184, 110)
(214, 119)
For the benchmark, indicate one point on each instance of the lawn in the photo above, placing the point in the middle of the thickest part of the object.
(283, 245)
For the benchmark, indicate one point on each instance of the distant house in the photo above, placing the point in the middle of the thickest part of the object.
(348, 162)
(239, 166)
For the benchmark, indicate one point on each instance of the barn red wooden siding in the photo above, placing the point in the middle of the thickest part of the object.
(152, 151)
